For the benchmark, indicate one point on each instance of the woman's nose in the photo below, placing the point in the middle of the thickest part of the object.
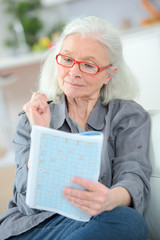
(75, 69)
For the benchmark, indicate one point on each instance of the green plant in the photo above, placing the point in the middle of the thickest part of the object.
(25, 12)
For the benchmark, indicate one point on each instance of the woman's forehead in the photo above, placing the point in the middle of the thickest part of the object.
(79, 44)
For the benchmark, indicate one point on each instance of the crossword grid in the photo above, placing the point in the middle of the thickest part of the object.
(59, 160)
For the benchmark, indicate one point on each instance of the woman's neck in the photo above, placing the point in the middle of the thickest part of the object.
(80, 109)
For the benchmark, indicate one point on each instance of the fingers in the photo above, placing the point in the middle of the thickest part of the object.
(88, 184)
(37, 110)
(90, 208)
(92, 200)
(38, 102)
(94, 196)
(89, 202)
(73, 192)
(39, 96)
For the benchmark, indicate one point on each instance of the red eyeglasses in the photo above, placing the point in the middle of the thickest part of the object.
(84, 67)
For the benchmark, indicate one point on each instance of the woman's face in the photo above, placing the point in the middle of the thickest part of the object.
(73, 82)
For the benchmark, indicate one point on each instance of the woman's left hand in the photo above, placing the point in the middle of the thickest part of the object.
(94, 200)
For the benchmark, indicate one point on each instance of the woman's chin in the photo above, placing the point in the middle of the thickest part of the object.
(73, 95)
(72, 92)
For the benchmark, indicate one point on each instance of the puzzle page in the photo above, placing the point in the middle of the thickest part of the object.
(55, 158)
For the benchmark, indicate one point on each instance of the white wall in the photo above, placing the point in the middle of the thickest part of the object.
(141, 46)
(142, 53)
(115, 11)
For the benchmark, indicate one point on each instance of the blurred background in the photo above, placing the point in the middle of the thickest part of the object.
(29, 28)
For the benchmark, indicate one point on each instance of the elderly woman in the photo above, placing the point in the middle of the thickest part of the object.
(92, 90)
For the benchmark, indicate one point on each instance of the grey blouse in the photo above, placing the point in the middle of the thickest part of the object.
(124, 161)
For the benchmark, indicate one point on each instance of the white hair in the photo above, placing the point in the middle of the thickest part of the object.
(123, 85)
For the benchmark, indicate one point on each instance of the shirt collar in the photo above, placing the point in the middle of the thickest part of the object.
(60, 114)
(97, 117)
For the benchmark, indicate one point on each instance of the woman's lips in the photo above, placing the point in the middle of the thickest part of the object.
(74, 84)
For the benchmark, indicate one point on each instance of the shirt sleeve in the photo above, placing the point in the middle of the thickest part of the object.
(131, 166)
(22, 147)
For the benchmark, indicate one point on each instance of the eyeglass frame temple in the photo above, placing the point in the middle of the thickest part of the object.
(103, 68)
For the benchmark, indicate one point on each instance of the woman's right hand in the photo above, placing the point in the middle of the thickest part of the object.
(37, 110)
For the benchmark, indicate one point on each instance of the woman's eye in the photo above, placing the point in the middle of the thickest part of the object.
(68, 60)
(86, 65)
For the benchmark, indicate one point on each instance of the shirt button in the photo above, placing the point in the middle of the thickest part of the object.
(102, 178)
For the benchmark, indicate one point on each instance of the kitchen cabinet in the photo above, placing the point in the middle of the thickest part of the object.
(48, 3)
(18, 79)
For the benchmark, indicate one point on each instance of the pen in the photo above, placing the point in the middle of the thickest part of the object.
(23, 112)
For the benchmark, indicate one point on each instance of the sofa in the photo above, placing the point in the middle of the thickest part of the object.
(152, 213)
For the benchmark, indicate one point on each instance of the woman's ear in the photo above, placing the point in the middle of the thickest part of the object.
(114, 70)
(109, 75)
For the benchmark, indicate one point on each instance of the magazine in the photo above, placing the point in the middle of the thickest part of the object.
(55, 158)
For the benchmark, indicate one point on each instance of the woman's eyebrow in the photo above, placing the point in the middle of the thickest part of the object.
(85, 58)
(66, 52)
(90, 58)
